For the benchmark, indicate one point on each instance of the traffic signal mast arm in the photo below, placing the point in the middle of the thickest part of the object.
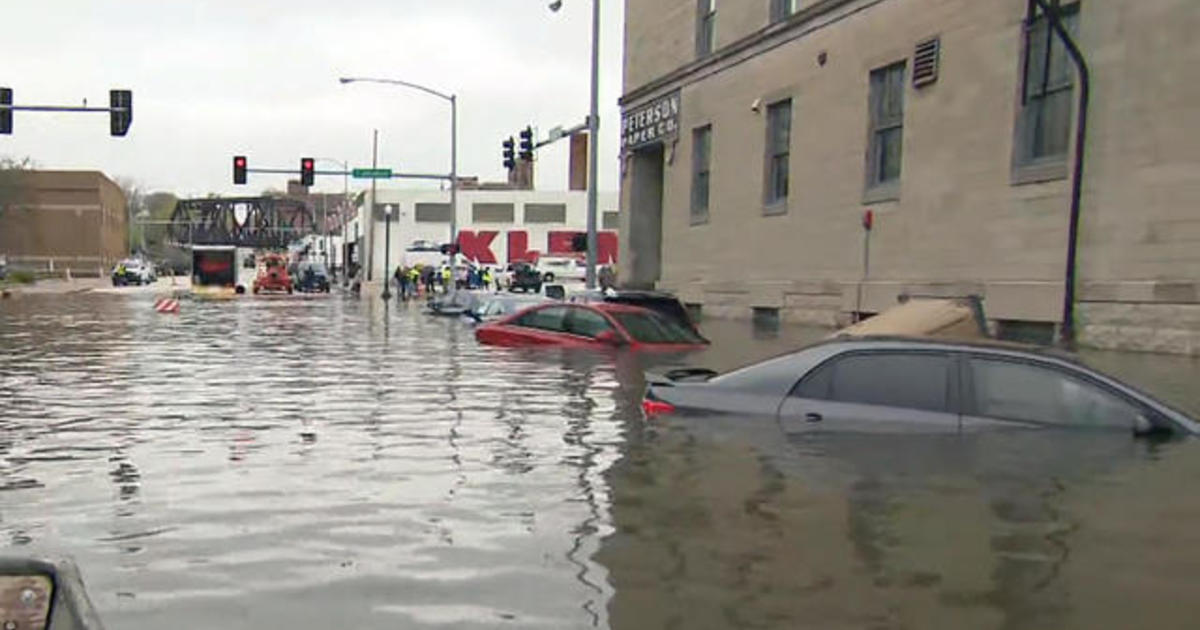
(241, 163)
(120, 110)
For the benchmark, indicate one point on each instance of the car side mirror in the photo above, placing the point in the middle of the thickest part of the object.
(610, 337)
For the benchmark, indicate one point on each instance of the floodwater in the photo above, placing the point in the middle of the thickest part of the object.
(326, 463)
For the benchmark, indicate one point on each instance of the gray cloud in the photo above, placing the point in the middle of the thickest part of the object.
(216, 78)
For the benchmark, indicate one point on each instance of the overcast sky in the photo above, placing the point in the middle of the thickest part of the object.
(215, 78)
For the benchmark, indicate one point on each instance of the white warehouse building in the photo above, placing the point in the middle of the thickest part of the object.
(496, 227)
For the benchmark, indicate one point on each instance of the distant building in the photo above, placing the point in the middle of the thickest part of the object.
(496, 227)
(64, 219)
(756, 133)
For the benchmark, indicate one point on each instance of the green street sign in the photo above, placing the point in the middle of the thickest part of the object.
(372, 173)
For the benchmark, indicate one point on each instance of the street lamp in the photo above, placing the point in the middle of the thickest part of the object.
(453, 100)
(387, 252)
(593, 141)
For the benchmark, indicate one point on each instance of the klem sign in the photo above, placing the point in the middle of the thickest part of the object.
(477, 246)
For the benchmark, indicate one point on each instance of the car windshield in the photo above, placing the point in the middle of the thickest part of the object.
(649, 327)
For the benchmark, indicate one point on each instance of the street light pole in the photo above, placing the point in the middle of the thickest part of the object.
(387, 252)
(593, 124)
(453, 194)
(593, 149)
(370, 227)
(453, 100)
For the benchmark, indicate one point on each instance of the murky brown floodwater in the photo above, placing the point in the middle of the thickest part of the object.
(317, 464)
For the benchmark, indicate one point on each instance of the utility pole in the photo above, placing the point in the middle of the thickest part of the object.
(593, 148)
(453, 193)
(370, 223)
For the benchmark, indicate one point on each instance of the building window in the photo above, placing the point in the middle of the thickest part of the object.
(493, 213)
(1047, 95)
(432, 213)
(706, 23)
(779, 136)
(782, 9)
(886, 142)
(611, 221)
(545, 213)
(701, 155)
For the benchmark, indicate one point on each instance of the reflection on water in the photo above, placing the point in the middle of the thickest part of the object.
(320, 462)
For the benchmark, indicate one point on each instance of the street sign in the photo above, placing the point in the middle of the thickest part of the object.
(372, 173)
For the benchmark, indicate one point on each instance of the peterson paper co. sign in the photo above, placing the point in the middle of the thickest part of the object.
(650, 123)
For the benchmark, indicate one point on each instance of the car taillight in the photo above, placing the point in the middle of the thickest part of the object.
(654, 408)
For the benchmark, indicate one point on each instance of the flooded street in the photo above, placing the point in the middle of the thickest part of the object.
(325, 463)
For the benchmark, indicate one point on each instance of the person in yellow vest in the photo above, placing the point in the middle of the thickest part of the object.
(414, 280)
(447, 278)
(487, 279)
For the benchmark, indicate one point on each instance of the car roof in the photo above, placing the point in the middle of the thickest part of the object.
(604, 307)
(615, 307)
(887, 342)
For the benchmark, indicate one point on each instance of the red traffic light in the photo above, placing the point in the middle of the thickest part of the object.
(307, 174)
(239, 169)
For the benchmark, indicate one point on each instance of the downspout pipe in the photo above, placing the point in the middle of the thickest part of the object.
(1055, 19)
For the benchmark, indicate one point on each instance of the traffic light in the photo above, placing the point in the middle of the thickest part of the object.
(5, 114)
(239, 169)
(527, 143)
(510, 156)
(307, 176)
(120, 114)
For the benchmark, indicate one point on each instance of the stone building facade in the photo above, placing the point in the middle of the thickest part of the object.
(64, 219)
(757, 133)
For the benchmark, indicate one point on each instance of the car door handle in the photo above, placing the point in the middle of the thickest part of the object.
(813, 417)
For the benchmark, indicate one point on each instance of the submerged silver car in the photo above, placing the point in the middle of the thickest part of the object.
(897, 385)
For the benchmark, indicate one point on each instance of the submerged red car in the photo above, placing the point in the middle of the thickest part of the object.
(597, 326)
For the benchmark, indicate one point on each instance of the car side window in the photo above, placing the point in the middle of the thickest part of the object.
(816, 384)
(1011, 390)
(586, 323)
(892, 379)
(552, 319)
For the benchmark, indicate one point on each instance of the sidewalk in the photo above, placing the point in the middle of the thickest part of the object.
(58, 286)
(89, 285)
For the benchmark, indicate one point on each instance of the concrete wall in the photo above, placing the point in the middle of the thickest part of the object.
(962, 222)
(77, 218)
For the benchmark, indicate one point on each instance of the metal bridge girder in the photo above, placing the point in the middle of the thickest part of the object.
(258, 222)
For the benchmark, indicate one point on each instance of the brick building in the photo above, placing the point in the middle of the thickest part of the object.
(64, 219)
(756, 133)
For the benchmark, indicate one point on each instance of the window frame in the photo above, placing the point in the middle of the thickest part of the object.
(701, 174)
(516, 323)
(1026, 168)
(781, 10)
(570, 317)
(970, 402)
(954, 404)
(876, 189)
(773, 203)
(706, 27)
